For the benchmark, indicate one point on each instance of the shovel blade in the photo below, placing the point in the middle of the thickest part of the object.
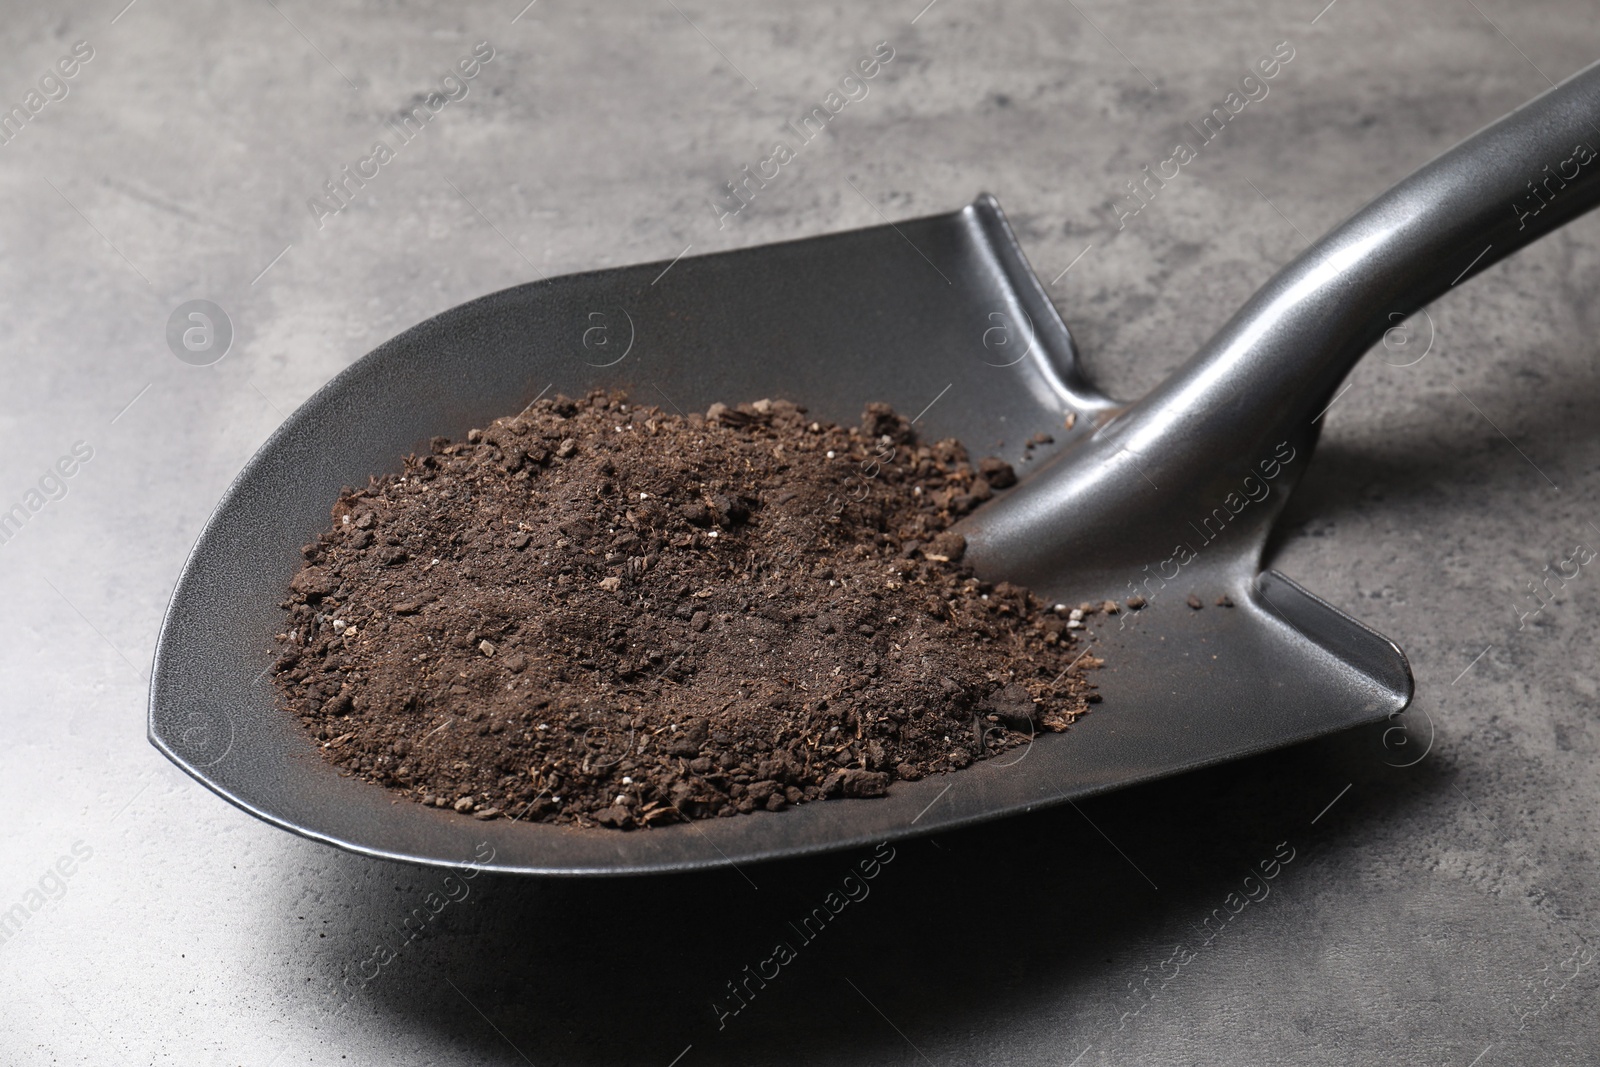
(940, 315)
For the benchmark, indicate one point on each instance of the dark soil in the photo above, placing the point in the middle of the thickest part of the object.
(599, 613)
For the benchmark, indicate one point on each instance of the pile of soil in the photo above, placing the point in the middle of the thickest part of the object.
(596, 612)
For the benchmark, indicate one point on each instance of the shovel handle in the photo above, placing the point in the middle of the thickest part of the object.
(1277, 362)
(1254, 393)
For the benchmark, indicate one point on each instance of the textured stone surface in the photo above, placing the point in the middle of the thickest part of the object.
(1425, 917)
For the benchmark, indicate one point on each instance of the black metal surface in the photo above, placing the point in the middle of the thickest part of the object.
(1171, 498)
(831, 322)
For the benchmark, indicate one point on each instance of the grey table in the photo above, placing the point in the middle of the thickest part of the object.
(1433, 897)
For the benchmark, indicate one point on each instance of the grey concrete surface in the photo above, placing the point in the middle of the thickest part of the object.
(1442, 899)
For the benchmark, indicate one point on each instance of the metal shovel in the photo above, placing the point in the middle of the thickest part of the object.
(1165, 499)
